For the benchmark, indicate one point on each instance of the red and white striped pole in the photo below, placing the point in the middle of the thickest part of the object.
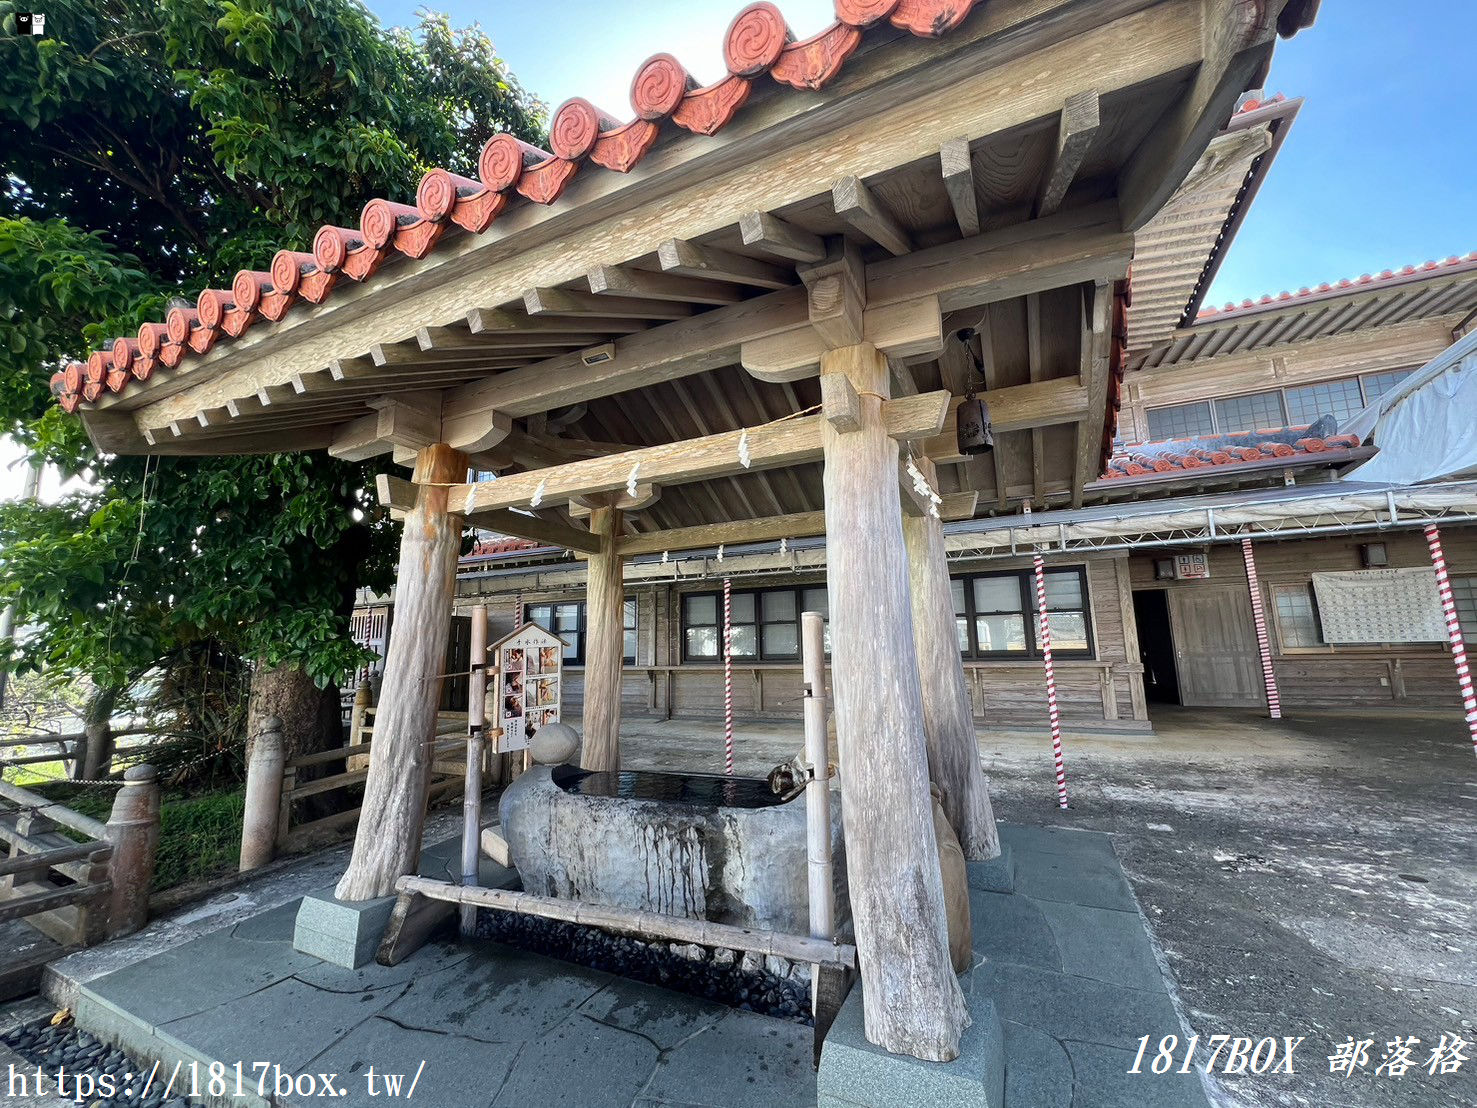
(727, 677)
(1052, 712)
(1259, 618)
(517, 611)
(1453, 630)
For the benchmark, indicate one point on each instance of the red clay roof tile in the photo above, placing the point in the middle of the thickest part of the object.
(1228, 450)
(758, 41)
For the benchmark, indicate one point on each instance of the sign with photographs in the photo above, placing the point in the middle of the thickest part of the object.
(527, 667)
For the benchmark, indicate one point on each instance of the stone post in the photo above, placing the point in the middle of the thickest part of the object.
(133, 831)
(263, 796)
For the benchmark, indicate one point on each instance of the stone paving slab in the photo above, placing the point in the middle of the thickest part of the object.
(1103, 944)
(744, 1060)
(1069, 963)
(1065, 959)
(1013, 929)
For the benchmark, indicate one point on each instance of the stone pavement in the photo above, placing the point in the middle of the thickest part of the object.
(1066, 958)
(1075, 978)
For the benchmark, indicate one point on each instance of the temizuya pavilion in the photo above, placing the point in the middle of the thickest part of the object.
(640, 307)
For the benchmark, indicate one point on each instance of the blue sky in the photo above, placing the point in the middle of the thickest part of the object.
(1379, 170)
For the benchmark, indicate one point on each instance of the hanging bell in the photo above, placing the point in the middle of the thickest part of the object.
(972, 424)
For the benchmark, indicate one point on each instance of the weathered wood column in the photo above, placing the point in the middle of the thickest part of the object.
(948, 716)
(913, 1004)
(388, 842)
(604, 645)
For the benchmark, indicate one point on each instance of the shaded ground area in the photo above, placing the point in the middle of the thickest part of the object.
(1312, 877)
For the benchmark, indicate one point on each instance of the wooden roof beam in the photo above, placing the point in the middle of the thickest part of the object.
(572, 302)
(1093, 376)
(1076, 129)
(688, 259)
(704, 342)
(1234, 50)
(1081, 244)
(647, 494)
(641, 284)
(855, 204)
(1017, 408)
(411, 421)
(505, 321)
(443, 339)
(790, 442)
(774, 236)
(898, 330)
(958, 170)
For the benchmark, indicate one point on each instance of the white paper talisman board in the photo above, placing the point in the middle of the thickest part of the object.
(527, 667)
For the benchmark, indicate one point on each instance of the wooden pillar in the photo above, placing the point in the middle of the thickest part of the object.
(604, 645)
(388, 842)
(913, 1004)
(948, 718)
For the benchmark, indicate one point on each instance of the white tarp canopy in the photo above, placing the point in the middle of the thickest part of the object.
(1426, 428)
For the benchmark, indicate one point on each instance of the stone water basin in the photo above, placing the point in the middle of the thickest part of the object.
(697, 845)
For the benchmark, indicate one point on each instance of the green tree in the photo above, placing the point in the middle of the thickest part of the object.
(151, 148)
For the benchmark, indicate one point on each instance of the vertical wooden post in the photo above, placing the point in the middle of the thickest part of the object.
(388, 841)
(263, 796)
(913, 1004)
(604, 645)
(133, 829)
(948, 718)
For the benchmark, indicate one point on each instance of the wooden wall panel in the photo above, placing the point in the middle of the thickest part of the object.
(1411, 675)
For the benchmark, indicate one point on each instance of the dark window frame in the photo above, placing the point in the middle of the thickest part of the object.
(1213, 404)
(581, 626)
(1026, 583)
(758, 623)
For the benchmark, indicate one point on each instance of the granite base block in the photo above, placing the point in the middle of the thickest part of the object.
(995, 876)
(344, 932)
(856, 1074)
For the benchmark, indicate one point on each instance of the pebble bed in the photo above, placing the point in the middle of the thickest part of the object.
(749, 982)
(67, 1047)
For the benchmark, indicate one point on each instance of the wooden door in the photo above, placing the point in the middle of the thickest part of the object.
(1215, 647)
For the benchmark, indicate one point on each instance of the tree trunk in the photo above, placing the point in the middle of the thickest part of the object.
(913, 1004)
(388, 842)
(948, 718)
(94, 757)
(604, 646)
(312, 720)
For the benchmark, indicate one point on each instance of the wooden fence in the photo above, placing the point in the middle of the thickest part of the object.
(76, 893)
(295, 833)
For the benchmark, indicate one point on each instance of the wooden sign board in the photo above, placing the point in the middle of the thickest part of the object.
(527, 666)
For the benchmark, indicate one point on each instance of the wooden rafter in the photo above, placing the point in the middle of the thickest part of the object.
(958, 170)
(691, 260)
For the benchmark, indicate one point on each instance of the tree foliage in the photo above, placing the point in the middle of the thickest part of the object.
(151, 148)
